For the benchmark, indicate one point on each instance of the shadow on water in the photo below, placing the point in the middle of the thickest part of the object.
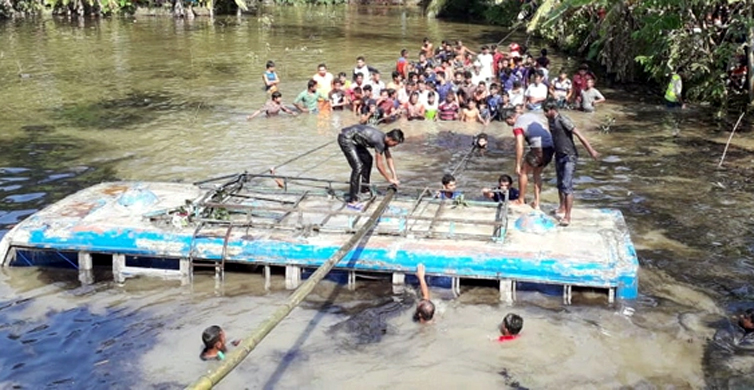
(78, 347)
(39, 168)
(294, 352)
(133, 109)
(728, 359)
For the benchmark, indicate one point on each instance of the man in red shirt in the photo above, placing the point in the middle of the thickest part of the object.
(579, 83)
(401, 66)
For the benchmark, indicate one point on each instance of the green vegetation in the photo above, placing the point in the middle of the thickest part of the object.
(179, 8)
(636, 41)
(29, 8)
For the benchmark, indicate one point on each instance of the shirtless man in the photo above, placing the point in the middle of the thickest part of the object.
(427, 48)
(472, 114)
(272, 107)
(530, 128)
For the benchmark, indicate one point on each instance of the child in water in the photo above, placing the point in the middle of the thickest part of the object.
(272, 107)
(270, 78)
(510, 327)
(430, 109)
(214, 343)
(448, 188)
(425, 309)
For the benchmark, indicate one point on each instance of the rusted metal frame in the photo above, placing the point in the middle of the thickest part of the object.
(330, 215)
(294, 178)
(193, 240)
(440, 208)
(256, 225)
(387, 232)
(264, 198)
(293, 207)
(418, 201)
(498, 233)
(353, 213)
(221, 271)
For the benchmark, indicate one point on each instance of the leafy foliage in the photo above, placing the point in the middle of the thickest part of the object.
(496, 12)
(636, 40)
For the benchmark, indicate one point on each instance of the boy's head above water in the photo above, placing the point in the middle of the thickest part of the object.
(448, 181)
(511, 325)
(214, 338)
(425, 311)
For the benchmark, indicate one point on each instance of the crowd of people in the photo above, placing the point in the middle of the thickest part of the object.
(452, 82)
(447, 83)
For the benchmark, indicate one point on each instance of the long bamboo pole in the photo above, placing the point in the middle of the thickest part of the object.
(235, 357)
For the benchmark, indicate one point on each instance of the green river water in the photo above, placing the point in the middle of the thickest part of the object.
(162, 99)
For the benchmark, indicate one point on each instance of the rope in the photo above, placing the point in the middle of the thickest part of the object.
(225, 177)
(319, 164)
(235, 357)
(466, 157)
(299, 156)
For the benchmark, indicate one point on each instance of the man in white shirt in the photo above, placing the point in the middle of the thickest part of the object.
(535, 93)
(486, 59)
(476, 75)
(376, 83)
(361, 67)
(516, 94)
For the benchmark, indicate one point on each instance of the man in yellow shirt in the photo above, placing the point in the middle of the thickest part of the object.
(324, 80)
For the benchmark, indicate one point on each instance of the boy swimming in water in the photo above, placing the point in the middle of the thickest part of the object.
(272, 107)
(425, 309)
(505, 183)
(214, 343)
(448, 188)
(510, 327)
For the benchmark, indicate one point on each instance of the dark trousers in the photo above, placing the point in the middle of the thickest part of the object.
(360, 161)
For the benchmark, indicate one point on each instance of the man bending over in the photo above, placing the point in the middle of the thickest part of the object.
(354, 141)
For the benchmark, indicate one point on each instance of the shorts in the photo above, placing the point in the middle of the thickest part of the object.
(671, 105)
(565, 166)
(539, 157)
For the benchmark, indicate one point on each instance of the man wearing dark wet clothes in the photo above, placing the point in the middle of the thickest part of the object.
(354, 141)
(563, 130)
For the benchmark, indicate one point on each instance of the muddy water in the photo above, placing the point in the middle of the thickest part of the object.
(156, 99)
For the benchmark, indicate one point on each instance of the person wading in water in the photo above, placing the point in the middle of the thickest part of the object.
(354, 141)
